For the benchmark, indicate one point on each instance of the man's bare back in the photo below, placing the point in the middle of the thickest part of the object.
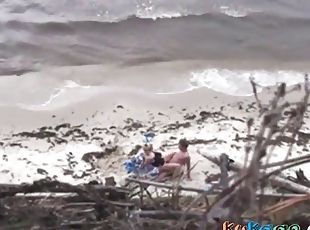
(180, 158)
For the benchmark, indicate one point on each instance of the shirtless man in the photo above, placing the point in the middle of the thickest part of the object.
(175, 161)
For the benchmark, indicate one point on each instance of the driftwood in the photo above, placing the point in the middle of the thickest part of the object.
(167, 215)
(108, 207)
(301, 178)
(289, 185)
(194, 142)
(224, 166)
(89, 207)
(280, 163)
(274, 180)
(165, 185)
(57, 187)
(240, 196)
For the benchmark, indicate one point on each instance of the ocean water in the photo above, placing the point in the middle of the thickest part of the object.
(266, 39)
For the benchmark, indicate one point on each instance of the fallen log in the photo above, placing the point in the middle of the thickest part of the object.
(194, 142)
(166, 215)
(43, 186)
(210, 195)
(289, 185)
(79, 224)
(275, 180)
(280, 163)
(82, 204)
(165, 185)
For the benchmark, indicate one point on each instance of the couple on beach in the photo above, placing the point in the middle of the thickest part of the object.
(163, 167)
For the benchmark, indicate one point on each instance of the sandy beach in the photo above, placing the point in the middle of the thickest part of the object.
(90, 139)
(84, 83)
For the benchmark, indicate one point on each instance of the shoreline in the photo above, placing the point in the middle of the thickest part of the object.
(52, 88)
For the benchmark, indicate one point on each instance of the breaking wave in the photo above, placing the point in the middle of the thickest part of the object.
(236, 82)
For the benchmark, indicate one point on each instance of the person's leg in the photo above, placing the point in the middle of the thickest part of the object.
(168, 169)
(177, 173)
(162, 177)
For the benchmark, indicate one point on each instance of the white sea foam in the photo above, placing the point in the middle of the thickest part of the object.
(148, 10)
(236, 82)
(58, 92)
(175, 92)
(234, 12)
(228, 81)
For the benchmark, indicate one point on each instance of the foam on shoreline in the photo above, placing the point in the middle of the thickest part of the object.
(52, 89)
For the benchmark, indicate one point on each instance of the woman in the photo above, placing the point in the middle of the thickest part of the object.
(152, 161)
(152, 158)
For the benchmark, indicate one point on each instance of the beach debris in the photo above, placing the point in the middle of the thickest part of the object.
(237, 119)
(110, 181)
(42, 171)
(193, 142)
(88, 157)
(175, 126)
(135, 150)
(190, 116)
(237, 193)
(217, 116)
(132, 125)
(63, 133)
(62, 126)
(36, 134)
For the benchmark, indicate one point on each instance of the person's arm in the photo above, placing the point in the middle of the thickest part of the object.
(169, 157)
(189, 168)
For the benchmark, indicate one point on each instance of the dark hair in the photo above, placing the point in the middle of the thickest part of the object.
(183, 143)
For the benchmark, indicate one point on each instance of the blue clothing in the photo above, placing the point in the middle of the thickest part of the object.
(148, 137)
(135, 165)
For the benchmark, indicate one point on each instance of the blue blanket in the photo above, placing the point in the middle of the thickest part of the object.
(135, 166)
